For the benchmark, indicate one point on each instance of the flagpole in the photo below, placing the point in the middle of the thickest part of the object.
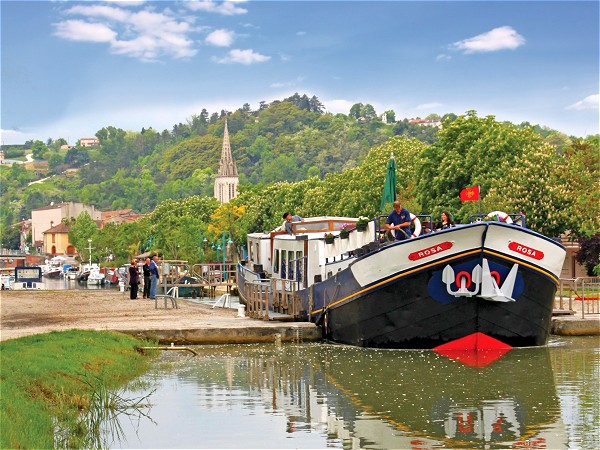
(479, 197)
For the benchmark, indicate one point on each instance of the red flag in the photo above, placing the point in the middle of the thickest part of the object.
(470, 193)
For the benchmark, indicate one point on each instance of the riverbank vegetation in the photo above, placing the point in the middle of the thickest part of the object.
(293, 156)
(58, 388)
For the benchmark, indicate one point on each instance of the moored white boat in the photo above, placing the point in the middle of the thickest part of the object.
(95, 277)
(483, 284)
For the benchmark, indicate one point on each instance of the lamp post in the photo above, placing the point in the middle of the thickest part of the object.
(90, 249)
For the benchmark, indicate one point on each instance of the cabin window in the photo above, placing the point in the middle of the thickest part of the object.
(276, 262)
(283, 264)
(257, 254)
(299, 265)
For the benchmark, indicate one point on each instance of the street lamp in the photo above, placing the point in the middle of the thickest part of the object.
(90, 249)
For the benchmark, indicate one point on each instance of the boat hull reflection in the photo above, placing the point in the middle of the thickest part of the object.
(419, 399)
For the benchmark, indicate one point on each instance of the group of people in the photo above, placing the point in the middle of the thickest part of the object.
(398, 222)
(151, 278)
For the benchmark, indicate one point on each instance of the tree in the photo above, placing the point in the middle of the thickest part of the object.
(514, 168)
(356, 111)
(579, 172)
(83, 229)
(390, 116)
(10, 238)
(38, 149)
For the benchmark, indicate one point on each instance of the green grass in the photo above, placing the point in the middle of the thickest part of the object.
(54, 386)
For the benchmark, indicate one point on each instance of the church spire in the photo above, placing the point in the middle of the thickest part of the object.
(227, 180)
(227, 167)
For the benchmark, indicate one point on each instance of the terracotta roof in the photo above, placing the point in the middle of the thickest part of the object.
(60, 228)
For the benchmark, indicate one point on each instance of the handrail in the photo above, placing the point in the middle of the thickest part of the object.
(584, 289)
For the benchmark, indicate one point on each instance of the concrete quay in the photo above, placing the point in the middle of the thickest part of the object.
(25, 313)
(574, 325)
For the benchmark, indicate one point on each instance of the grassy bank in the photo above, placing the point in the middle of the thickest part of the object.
(51, 384)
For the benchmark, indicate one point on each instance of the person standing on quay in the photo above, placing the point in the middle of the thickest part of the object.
(134, 280)
(147, 278)
(155, 278)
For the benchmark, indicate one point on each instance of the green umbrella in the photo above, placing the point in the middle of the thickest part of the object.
(389, 188)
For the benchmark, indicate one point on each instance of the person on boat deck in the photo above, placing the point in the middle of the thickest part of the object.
(287, 225)
(446, 221)
(399, 222)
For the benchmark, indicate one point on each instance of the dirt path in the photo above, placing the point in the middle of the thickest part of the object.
(30, 312)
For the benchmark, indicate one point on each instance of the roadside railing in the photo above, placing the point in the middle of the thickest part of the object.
(578, 295)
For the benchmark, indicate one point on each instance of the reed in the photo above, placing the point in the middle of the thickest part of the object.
(59, 389)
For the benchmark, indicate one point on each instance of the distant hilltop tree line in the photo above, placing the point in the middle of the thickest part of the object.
(293, 156)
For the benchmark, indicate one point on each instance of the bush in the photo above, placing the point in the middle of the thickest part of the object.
(589, 253)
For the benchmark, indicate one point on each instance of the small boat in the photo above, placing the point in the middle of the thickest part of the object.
(486, 284)
(28, 278)
(95, 277)
(51, 271)
(84, 271)
(72, 273)
(7, 278)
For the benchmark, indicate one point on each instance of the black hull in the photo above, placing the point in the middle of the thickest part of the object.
(402, 315)
(484, 285)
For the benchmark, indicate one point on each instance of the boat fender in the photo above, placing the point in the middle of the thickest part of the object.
(415, 220)
(499, 216)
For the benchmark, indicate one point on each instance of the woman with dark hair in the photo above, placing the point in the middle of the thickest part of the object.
(134, 280)
(446, 222)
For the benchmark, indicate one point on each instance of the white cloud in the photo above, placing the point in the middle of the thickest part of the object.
(221, 38)
(443, 57)
(590, 102)
(100, 11)
(246, 57)
(144, 34)
(10, 137)
(501, 38)
(226, 8)
(336, 106)
(78, 30)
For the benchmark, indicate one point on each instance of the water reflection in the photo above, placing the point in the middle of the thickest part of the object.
(318, 395)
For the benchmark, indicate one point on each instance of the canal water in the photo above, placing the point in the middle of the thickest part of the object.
(317, 395)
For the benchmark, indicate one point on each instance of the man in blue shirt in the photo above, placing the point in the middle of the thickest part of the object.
(399, 221)
(154, 276)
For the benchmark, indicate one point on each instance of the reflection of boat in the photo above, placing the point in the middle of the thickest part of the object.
(476, 285)
(441, 404)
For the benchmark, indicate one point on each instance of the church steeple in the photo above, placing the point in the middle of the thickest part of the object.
(227, 180)
(227, 167)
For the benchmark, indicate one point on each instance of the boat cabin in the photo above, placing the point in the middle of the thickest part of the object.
(319, 248)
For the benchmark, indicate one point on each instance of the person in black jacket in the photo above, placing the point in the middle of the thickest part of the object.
(446, 221)
(147, 279)
(134, 280)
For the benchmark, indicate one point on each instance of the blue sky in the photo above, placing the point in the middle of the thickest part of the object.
(70, 68)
